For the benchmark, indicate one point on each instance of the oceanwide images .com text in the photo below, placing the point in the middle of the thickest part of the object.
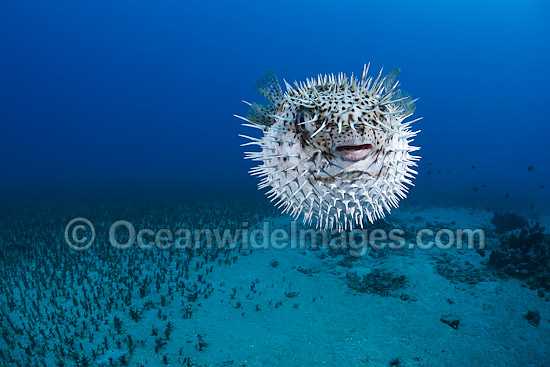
(80, 235)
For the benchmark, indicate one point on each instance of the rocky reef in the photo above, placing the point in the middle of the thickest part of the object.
(523, 252)
(508, 221)
(378, 282)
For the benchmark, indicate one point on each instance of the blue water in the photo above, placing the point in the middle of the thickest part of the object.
(123, 110)
(139, 93)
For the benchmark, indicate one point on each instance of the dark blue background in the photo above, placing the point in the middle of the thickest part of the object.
(104, 94)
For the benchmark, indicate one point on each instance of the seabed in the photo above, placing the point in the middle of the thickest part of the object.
(260, 306)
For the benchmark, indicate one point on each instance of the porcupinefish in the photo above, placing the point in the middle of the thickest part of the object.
(335, 150)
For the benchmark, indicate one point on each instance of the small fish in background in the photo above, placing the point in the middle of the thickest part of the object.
(450, 170)
(507, 195)
(473, 167)
(482, 186)
(532, 206)
(461, 156)
(429, 163)
(542, 187)
(530, 168)
(474, 188)
(439, 171)
(429, 172)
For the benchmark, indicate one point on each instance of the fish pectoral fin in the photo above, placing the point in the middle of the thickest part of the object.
(269, 87)
(391, 78)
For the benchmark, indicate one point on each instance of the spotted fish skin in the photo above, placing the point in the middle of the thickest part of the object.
(335, 150)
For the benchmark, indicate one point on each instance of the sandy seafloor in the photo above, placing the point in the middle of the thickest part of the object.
(271, 307)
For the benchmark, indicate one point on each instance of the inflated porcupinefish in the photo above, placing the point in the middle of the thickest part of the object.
(334, 150)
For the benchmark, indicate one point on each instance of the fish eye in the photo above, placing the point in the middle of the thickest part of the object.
(304, 115)
(300, 118)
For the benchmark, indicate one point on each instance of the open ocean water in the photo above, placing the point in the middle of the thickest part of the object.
(131, 233)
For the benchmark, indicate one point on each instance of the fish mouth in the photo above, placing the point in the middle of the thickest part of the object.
(353, 153)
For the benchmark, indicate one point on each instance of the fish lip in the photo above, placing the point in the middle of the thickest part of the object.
(353, 152)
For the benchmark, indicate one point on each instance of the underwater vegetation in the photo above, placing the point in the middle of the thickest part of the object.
(103, 306)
